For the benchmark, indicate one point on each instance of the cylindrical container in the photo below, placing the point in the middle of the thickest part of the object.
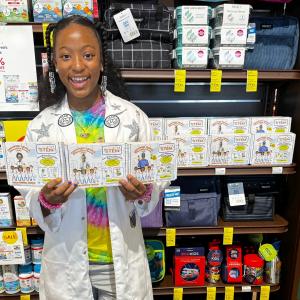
(36, 250)
(26, 278)
(1, 282)
(272, 271)
(193, 15)
(193, 35)
(36, 277)
(192, 57)
(214, 261)
(11, 279)
(253, 269)
(27, 252)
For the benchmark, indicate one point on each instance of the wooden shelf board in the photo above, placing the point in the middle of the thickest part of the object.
(29, 229)
(17, 296)
(236, 170)
(196, 75)
(278, 225)
(166, 287)
(36, 27)
(230, 170)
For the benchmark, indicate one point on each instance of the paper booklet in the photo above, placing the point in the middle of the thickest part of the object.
(89, 165)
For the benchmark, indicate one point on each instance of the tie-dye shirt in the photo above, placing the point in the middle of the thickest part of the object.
(90, 124)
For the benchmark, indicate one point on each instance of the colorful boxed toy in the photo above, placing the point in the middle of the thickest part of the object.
(14, 11)
(233, 268)
(189, 270)
(78, 7)
(270, 124)
(47, 10)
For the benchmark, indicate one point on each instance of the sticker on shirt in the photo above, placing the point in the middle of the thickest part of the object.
(65, 120)
(132, 219)
(112, 121)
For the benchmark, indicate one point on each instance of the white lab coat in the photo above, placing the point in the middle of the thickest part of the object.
(65, 265)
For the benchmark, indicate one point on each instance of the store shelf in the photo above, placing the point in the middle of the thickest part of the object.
(166, 287)
(36, 27)
(196, 75)
(236, 170)
(30, 229)
(278, 225)
(229, 170)
(17, 296)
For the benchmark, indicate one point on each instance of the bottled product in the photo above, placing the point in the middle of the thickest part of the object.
(26, 278)
(214, 261)
(27, 252)
(253, 269)
(11, 279)
(37, 249)
(36, 277)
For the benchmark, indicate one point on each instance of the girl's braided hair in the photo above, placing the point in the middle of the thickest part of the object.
(52, 90)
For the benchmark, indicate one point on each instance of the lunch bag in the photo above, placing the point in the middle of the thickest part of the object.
(156, 258)
(153, 48)
(261, 193)
(276, 43)
(199, 203)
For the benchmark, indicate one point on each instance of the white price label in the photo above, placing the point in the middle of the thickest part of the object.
(237, 200)
(277, 170)
(220, 171)
(172, 197)
(126, 25)
(236, 194)
(246, 288)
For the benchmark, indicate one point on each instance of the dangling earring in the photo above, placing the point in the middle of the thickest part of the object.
(52, 82)
(103, 84)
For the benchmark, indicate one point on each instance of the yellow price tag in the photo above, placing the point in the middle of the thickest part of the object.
(25, 297)
(180, 79)
(45, 25)
(264, 292)
(211, 293)
(24, 235)
(9, 237)
(252, 77)
(171, 237)
(178, 292)
(229, 292)
(228, 236)
(215, 81)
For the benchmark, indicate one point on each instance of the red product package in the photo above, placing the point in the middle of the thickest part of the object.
(234, 266)
(189, 270)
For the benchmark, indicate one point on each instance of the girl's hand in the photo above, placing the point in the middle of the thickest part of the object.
(132, 189)
(55, 194)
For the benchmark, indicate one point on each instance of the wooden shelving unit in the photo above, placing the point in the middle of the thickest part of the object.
(17, 296)
(278, 225)
(30, 229)
(166, 287)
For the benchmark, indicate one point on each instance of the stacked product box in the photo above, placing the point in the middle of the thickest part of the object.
(78, 7)
(192, 140)
(47, 10)
(157, 125)
(13, 11)
(22, 212)
(230, 35)
(6, 214)
(192, 35)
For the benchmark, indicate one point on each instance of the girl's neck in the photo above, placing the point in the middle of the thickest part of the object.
(85, 103)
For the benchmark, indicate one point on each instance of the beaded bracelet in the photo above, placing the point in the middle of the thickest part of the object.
(42, 199)
(147, 195)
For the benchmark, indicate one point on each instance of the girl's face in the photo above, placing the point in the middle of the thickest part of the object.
(78, 61)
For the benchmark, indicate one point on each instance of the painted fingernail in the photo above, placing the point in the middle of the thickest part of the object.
(75, 184)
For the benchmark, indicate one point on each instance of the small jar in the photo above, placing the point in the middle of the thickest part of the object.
(26, 278)
(11, 279)
(36, 277)
(36, 250)
(253, 269)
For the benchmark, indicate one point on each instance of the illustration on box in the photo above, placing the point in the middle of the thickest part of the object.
(78, 7)
(32, 164)
(13, 11)
(47, 10)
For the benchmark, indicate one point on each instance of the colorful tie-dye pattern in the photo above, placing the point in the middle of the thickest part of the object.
(99, 245)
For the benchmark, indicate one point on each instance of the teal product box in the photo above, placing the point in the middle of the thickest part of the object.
(192, 57)
(78, 7)
(13, 11)
(47, 11)
(193, 35)
(193, 15)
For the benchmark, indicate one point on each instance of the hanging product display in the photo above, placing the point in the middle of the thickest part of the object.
(18, 80)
